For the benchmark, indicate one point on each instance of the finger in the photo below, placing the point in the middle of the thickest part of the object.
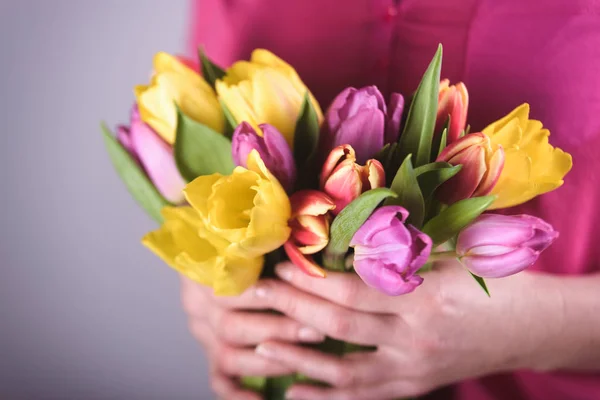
(227, 388)
(247, 328)
(382, 391)
(200, 330)
(233, 361)
(360, 369)
(332, 319)
(245, 301)
(194, 298)
(340, 287)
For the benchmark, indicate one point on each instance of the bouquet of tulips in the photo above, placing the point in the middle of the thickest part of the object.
(241, 168)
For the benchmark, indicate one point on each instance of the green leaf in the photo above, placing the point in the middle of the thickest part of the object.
(432, 166)
(352, 217)
(440, 140)
(230, 122)
(466, 131)
(420, 123)
(306, 134)
(431, 176)
(454, 218)
(210, 71)
(443, 142)
(199, 150)
(481, 283)
(138, 184)
(386, 157)
(406, 186)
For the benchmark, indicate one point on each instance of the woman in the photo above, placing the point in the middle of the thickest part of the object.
(538, 337)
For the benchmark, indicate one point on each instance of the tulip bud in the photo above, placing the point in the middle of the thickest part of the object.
(494, 246)
(344, 180)
(310, 228)
(481, 167)
(154, 155)
(388, 253)
(453, 102)
(272, 148)
(358, 117)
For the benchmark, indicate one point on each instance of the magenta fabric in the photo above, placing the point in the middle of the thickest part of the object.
(545, 52)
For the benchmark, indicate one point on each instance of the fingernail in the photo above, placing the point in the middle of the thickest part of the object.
(265, 351)
(308, 334)
(261, 291)
(284, 271)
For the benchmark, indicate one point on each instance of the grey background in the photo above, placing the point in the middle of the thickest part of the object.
(85, 311)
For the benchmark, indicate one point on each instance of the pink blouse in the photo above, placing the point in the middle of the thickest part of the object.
(544, 52)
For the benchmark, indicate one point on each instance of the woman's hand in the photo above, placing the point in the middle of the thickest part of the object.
(445, 331)
(229, 327)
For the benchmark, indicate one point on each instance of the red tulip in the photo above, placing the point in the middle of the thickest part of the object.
(481, 168)
(453, 102)
(310, 229)
(344, 180)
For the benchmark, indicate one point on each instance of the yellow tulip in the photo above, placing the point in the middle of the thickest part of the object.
(181, 244)
(531, 166)
(265, 90)
(248, 210)
(174, 83)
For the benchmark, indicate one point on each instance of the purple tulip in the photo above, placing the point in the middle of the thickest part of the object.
(154, 155)
(360, 118)
(273, 150)
(494, 246)
(388, 253)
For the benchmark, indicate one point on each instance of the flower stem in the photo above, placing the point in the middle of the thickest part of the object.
(334, 261)
(442, 255)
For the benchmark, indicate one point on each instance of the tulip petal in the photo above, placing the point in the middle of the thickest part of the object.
(332, 117)
(305, 263)
(368, 97)
(311, 202)
(344, 185)
(382, 218)
(470, 140)
(364, 132)
(269, 84)
(383, 277)
(375, 175)
(494, 169)
(395, 109)
(244, 140)
(501, 265)
(465, 182)
(493, 229)
(157, 158)
(337, 155)
(421, 248)
(310, 233)
(281, 160)
(124, 139)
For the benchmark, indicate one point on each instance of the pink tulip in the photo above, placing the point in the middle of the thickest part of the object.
(360, 118)
(494, 246)
(344, 180)
(388, 253)
(273, 150)
(154, 155)
(481, 167)
(310, 229)
(453, 102)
